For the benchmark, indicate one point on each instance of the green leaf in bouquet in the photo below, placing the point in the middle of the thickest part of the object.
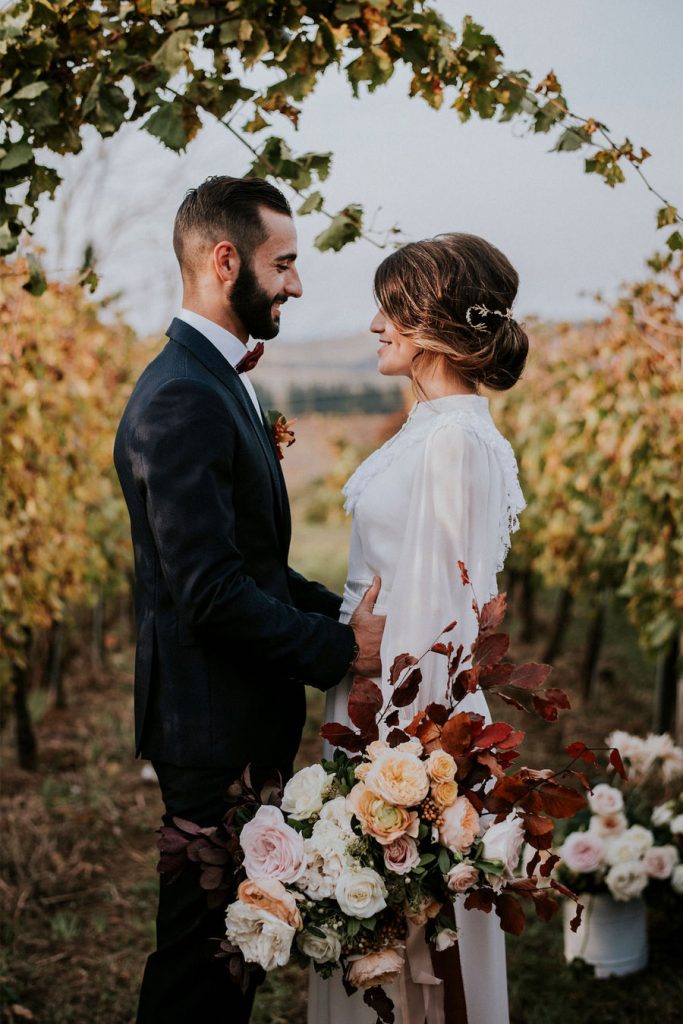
(353, 927)
(491, 867)
(369, 923)
(427, 858)
(315, 931)
(444, 860)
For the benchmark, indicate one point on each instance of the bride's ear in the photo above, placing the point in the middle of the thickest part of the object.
(226, 262)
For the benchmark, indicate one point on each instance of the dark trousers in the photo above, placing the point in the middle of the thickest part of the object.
(182, 983)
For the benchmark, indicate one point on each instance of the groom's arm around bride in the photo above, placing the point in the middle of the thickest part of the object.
(228, 634)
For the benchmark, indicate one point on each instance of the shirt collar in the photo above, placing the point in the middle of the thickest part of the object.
(230, 347)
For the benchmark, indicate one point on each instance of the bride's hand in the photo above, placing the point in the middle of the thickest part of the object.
(368, 629)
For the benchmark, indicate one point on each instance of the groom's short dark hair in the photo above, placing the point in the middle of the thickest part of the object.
(224, 207)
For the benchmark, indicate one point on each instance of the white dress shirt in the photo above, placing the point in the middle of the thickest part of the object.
(230, 347)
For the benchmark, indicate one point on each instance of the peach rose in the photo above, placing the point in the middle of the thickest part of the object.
(379, 968)
(399, 777)
(441, 766)
(445, 793)
(383, 821)
(462, 877)
(361, 770)
(271, 895)
(426, 910)
(374, 749)
(460, 826)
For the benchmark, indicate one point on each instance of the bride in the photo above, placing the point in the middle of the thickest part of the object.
(443, 489)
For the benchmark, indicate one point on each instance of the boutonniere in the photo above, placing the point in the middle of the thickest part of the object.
(281, 428)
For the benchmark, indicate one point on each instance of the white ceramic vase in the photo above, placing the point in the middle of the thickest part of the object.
(612, 935)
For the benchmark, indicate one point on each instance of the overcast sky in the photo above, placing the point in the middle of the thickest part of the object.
(567, 233)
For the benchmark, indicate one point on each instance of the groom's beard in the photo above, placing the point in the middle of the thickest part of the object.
(253, 305)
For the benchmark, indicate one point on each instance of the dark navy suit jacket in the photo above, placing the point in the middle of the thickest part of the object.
(228, 634)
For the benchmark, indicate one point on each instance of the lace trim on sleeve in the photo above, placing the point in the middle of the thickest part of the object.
(412, 433)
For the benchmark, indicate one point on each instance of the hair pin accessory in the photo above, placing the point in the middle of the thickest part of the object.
(483, 311)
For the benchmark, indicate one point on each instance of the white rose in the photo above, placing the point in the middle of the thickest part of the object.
(360, 892)
(676, 825)
(642, 836)
(605, 799)
(607, 826)
(660, 861)
(661, 815)
(634, 749)
(338, 813)
(305, 791)
(446, 938)
(503, 842)
(626, 880)
(326, 859)
(323, 949)
(263, 938)
(630, 845)
(677, 879)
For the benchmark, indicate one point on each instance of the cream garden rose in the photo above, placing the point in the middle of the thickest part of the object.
(607, 826)
(503, 842)
(605, 799)
(446, 938)
(378, 968)
(304, 793)
(677, 879)
(360, 892)
(323, 949)
(399, 777)
(626, 880)
(263, 938)
(460, 826)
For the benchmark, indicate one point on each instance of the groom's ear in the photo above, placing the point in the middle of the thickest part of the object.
(226, 262)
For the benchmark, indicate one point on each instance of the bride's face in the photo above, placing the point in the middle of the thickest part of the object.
(396, 352)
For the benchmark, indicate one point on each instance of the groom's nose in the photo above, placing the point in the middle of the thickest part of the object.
(293, 286)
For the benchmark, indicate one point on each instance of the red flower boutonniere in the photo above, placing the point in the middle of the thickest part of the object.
(281, 427)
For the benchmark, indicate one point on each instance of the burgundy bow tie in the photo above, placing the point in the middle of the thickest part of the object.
(249, 361)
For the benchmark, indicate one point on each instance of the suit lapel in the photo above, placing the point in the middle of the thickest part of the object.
(211, 358)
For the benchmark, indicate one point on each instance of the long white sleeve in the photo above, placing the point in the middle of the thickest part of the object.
(456, 503)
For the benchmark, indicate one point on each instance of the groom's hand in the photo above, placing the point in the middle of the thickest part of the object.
(368, 629)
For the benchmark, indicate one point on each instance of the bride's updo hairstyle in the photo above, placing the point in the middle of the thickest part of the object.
(451, 296)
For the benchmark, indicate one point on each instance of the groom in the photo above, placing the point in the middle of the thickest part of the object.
(228, 634)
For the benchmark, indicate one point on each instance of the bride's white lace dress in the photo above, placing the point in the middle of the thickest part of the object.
(443, 489)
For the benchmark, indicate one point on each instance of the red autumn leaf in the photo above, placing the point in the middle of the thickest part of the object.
(530, 676)
(392, 719)
(537, 825)
(446, 649)
(545, 709)
(400, 664)
(496, 675)
(493, 613)
(463, 574)
(584, 780)
(437, 713)
(558, 697)
(490, 648)
(506, 757)
(549, 864)
(616, 762)
(455, 662)
(560, 801)
(576, 920)
(467, 680)
(562, 889)
(456, 735)
(480, 899)
(492, 735)
(378, 1001)
(579, 749)
(397, 736)
(511, 700)
(533, 864)
(406, 692)
(505, 794)
(510, 912)
(490, 762)
(341, 736)
(545, 904)
(513, 740)
(451, 626)
(365, 701)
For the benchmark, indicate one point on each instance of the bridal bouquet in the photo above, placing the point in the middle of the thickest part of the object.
(334, 868)
(630, 837)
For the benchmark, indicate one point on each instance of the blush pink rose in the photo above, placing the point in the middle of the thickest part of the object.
(462, 877)
(660, 861)
(272, 849)
(402, 855)
(583, 852)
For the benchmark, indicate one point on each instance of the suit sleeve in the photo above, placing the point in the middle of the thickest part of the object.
(309, 596)
(183, 459)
